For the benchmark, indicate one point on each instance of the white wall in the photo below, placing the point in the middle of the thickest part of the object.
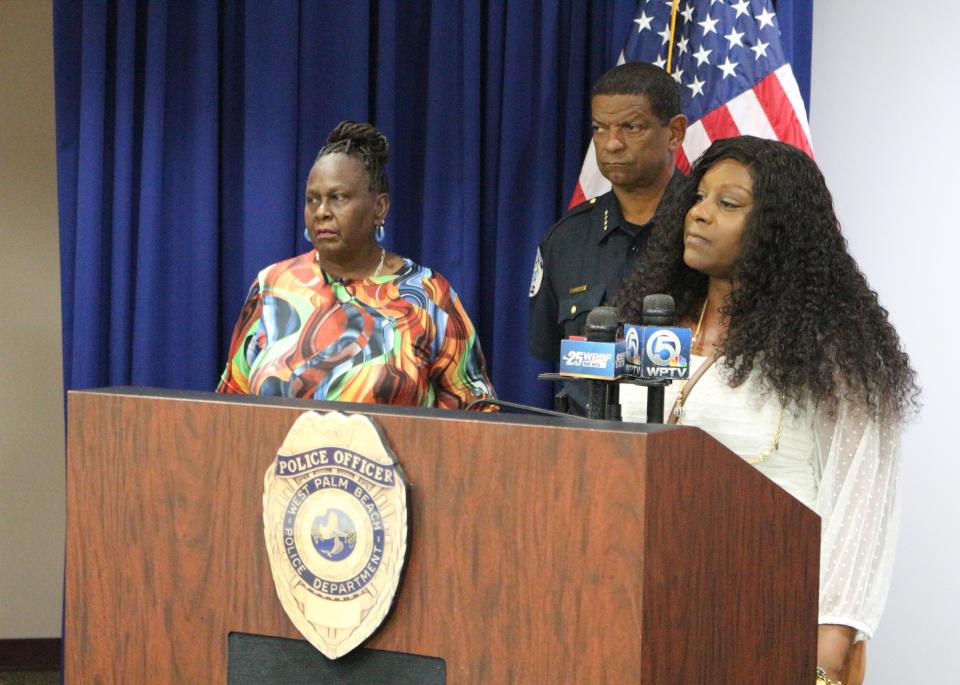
(883, 116)
(31, 377)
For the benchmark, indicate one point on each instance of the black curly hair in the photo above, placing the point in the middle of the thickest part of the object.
(801, 312)
(365, 143)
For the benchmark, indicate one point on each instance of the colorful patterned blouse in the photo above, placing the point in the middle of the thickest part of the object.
(402, 338)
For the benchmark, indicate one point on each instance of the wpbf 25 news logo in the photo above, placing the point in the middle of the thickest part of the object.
(589, 359)
(657, 353)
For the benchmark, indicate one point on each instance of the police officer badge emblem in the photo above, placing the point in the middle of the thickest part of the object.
(335, 525)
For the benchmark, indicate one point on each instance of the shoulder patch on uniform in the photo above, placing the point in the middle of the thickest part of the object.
(537, 274)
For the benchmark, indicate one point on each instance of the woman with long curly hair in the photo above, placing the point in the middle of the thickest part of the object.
(795, 365)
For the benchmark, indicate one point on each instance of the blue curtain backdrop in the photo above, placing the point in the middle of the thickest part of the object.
(185, 131)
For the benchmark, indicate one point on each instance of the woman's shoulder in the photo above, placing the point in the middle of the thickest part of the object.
(412, 272)
(430, 283)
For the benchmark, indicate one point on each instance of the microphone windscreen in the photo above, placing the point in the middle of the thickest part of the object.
(658, 310)
(602, 324)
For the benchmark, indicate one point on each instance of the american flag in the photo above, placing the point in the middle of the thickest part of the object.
(734, 76)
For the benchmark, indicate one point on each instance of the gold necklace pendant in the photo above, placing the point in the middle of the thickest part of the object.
(681, 399)
(774, 444)
(383, 255)
(695, 341)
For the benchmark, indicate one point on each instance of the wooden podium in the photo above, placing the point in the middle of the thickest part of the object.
(540, 552)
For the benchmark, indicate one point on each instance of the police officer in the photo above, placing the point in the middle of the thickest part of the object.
(585, 257)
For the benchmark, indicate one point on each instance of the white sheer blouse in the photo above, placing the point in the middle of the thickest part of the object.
(846, 468)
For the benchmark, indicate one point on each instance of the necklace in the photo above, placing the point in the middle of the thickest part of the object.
(383, 256)
(684, 393)
(696, 333)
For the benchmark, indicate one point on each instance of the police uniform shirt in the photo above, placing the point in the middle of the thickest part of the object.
(581, 263)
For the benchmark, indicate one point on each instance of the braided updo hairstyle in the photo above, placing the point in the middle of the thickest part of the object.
(365, 143)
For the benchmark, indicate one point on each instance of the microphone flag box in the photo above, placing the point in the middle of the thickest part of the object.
(587, 359)
(657, 353)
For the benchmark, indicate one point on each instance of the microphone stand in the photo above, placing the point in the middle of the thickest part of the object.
(604, 395)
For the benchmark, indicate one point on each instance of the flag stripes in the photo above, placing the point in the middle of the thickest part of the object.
(762, 98)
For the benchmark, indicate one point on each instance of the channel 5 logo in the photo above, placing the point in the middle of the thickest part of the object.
(664, 348)
(632, 343)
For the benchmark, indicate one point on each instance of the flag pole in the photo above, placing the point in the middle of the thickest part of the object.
(673, 29)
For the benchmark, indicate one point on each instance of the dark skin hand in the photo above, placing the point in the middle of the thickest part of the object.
(833, 646)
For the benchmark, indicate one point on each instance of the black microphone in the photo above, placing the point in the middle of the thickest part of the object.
(658, 310)
(603, 397)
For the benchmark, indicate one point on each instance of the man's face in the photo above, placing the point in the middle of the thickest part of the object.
(634, 150)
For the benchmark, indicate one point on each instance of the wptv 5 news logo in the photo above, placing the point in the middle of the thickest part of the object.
(656, 352)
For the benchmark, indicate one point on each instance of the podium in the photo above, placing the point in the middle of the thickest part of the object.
(541, 550)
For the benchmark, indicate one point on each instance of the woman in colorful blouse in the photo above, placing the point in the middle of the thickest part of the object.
(348, 320)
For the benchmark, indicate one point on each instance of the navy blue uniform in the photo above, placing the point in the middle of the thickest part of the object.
(581, 264)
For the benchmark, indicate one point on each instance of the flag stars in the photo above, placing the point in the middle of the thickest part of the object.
(696, 87)
(734, 38)
(766, 18)
(643, 22)
(760, 49)
(702, 55)
(701, 63)
(741, 8)
(709, 25)
(728, 67)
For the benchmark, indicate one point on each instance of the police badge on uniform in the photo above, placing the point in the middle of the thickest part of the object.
(335, 524)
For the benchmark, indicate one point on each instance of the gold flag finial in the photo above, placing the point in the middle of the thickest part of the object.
(673, 30)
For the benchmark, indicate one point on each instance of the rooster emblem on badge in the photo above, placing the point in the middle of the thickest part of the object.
(333, 534)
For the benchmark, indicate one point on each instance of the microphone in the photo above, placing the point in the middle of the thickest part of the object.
(658, 310)
(602, 324)
(603, 397)
(519, 408)
(656, 352)
(599, 360)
